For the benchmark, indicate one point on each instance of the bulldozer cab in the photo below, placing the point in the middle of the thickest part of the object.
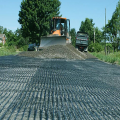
(60, 24)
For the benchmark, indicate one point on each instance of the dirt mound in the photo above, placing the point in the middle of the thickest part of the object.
(56, 51)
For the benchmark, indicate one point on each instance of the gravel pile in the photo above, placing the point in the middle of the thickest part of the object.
(56, 51)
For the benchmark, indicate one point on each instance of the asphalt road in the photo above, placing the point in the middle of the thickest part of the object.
(58, 89)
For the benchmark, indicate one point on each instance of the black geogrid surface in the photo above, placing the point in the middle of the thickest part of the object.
(58, 89)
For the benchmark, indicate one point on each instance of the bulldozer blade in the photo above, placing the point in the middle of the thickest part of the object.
(52, 40)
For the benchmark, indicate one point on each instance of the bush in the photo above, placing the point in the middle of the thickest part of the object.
(23, 48)
(11, 48)
(112, 60)
(6, 45)
(95, 47)
(1, 44)
(91, 47)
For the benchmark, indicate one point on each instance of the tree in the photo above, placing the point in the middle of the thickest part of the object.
(20, 40)
(35, 16)
(5, 31)
(113, 27)
(87, 26)
(73, 36)
(98, 35)
(1, 29)
(10, 38)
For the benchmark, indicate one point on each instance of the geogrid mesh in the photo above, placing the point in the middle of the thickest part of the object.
(58, 89)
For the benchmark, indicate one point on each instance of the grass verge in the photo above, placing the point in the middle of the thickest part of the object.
(110, 58)
(7, 51)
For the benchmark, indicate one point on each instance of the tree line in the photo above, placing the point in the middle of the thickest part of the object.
(14, 38)
(35, 16)
(109, 33)
(87, 26)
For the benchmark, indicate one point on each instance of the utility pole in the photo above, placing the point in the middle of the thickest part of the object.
(105, 31)
(94, 35)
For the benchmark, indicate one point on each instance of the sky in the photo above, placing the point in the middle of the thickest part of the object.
(75, 10)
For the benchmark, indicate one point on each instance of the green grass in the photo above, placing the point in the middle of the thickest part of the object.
(111, 58)
(11, 50)
(7, 51)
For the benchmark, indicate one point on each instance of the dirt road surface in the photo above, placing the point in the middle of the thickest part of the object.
(59, 88)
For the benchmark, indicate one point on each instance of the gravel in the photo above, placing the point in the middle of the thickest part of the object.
(59, 52)
(58, 89)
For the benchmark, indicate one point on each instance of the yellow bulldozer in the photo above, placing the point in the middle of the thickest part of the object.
(60, 33)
